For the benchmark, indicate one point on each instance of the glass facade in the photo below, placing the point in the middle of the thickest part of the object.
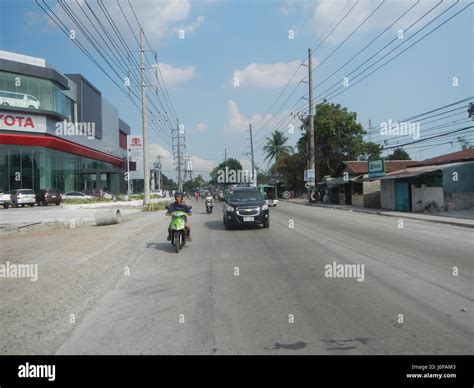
(26, 92)
(24, 167)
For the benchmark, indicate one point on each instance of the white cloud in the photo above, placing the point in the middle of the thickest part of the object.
(201, 127)
(200, 165)
(237, 121)
(191, 27)
(288, 7)
(270, 75)
(325, 14)
(176, 75)
(159, 18)
(246, 164)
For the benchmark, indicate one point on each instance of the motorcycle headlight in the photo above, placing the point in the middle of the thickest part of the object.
(265, 207)
(229, 208)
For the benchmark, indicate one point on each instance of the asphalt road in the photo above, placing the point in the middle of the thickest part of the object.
(246, 291)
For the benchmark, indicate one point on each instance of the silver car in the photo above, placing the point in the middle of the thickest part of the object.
(23, 197)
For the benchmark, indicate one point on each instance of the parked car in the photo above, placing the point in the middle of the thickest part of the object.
(157, 192)
(44, 197)
(18, 100)
(76, 195)
(5, 199)
(245, 206)
(23, 197)
(99, 193)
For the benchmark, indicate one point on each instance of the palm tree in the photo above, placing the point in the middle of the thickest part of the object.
(275, 146)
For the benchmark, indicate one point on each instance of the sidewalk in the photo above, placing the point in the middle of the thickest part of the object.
(463, 218)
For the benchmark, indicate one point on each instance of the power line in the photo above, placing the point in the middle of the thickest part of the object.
(399, 46)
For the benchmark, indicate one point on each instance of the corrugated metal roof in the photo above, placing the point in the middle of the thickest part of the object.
(453, 157)
(362, 167)
(416, 171)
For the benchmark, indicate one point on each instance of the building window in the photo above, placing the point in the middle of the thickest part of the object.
(122, 140)
(32, 93)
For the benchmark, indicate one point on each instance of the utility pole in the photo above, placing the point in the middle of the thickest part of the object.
(251, 150)
(225, 156)
(159, 171)
(310, 111)
(370, 130)
(146, 171)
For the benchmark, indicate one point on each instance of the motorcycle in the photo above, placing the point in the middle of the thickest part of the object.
(209, 206)
(178, 231)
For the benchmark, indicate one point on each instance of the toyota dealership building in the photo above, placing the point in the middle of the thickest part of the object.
(57, 130)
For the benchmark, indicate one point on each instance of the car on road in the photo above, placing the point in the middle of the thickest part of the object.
(245, 206)
(23, 197)
(5, 199)
(44, 197)
(76, 195)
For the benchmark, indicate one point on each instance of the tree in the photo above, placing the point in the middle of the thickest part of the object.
(338, 137)
(167, 183)
(398, 154)
(231, 164)
(275, 146)
(195, 183)
(291, 169)
(370, 150)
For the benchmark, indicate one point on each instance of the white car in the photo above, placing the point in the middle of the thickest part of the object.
(23, 197)
(18, 100)
(157, 192)
(76, 195)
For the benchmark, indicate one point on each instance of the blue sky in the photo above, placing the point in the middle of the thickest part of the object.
(250, 39)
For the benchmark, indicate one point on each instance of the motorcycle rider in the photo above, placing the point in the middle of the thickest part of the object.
(177, 205)
(209, 198)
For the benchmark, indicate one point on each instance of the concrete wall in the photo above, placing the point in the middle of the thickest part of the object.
(357, 200)
(459, 201)
(426, 195)
(372, 200)
(371, 186)
(387, 196)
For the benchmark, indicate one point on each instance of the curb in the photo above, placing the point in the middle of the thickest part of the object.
(454, 223)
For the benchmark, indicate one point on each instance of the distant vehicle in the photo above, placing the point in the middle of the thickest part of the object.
(23, 197)
(76, 195)
(99, 193)
(5, 199)
(269, 192)
(245, 206)
(157, 192)
(45, 197)
(18, 100)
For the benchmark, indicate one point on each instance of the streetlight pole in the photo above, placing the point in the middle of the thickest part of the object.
(146, 170)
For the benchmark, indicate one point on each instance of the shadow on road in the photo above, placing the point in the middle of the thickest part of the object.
(214, 225)
(161, 246)
(219, 225)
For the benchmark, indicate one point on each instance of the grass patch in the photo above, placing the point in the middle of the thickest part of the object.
(154, 207)
(74, 201)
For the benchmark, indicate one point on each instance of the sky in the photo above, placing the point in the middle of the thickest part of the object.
(236, 57)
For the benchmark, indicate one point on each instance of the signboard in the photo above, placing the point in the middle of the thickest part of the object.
(309, 178)
(135, 156)
(376, 167)
(10, 121)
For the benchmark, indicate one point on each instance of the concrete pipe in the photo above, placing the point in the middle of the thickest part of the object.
(108, 217)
